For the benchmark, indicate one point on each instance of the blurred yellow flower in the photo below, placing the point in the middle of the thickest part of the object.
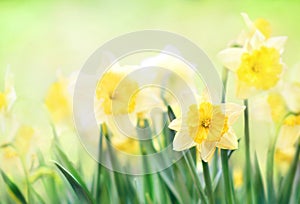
(260, 24)
(127, 145)
(207, 126)
(238, 178)
(58, 100)
(117, 93)
(288, 136)
(20, 144)
(263, 26)
(8, 96)
(277, 106)
(257, 65)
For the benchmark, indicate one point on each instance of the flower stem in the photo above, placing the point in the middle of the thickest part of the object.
(207, 179)
(227, 183)
(224, 153)
(247, 153)
(191, 165)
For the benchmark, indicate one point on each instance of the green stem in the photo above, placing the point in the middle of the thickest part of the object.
(224, 153)
(99, 167)
(227, 183)
(207, 179)
(24, 166)
(191, 165)
(247, 153)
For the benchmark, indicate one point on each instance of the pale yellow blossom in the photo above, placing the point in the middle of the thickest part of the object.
(208, 127)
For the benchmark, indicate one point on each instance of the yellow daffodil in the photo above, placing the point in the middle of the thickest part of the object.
(8, 96)
(119, 95)
(20, 148)
(260, 24)
(270, 107)
(120, 102)
(58, 99)
(206, 126)
(257, 65)
(288, 136)
(238, 178)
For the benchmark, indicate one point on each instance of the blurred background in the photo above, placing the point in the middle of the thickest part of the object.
(39, 37)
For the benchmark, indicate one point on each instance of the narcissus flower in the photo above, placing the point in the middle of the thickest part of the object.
(120, 102)
(288, 136)
(207, 126)
(260, 24)
(8, 95)
(58, 98)
(258, 65)
(119, 95)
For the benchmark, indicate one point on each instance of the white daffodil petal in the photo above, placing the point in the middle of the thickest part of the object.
(176, 124)
(248, 21)
(207, 150)
(228, 141)
(148, 99)
(257, 40)
(292, 97)
(182, 141)
(276, 42)
(288, 135)
(233, 111)
(231, 58)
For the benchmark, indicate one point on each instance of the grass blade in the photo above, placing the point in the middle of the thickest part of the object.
(80, 190)
(13, 188)
(288, 182)
(258, 183)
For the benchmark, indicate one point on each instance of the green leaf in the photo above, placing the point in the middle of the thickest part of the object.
(258, 183)
(270, 174)
(49, 183)
(66, 162)
(13, 188)
(286, 192)
(81, 191)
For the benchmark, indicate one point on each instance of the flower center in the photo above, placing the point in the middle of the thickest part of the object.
(261, 68)
(206, 123)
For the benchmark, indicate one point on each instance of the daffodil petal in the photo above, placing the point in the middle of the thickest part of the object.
(292, 97)
(231, 58)
(176, 124)
(148, 99)
(257, 40)
(248, 21)
(182, 141)
(228, 141)
(207, 150)
(288, 135)
(233, 111)
(276, 42)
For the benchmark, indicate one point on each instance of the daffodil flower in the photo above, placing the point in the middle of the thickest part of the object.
(208, 127)
(257, 65)
(288, 136)
(117, 94)
(260, 24)
(8, 96)
(121, 102)
(58, 98)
